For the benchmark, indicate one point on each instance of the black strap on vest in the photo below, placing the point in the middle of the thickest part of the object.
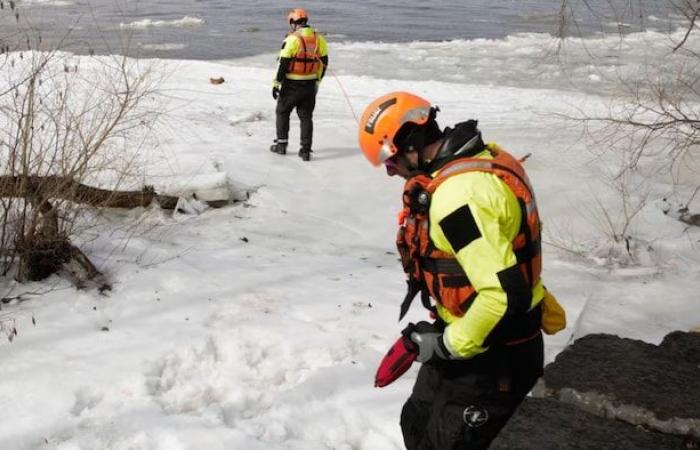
(443, 266)
(532, 247)
(413, 288)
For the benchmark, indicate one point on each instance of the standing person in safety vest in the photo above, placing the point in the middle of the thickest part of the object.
(302, 65)
(469, 240)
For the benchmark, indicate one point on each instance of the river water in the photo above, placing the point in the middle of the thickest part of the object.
(226, 29)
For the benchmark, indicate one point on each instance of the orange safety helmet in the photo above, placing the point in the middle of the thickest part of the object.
(297, 15)
(382, 120)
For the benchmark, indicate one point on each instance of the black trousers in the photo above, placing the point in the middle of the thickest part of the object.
(299, 94)
(464, 404)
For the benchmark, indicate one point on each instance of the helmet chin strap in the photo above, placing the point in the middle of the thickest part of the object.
(425, 162)
(423, 165)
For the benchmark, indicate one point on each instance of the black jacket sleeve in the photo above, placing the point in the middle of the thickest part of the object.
(324, 60)
(282, 69)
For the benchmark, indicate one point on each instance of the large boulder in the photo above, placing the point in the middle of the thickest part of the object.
(684, 346)
(607, 392)
(544, 424)
(656, 387)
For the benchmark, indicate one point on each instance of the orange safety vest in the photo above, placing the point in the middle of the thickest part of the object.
(436, 273)
(307, 61)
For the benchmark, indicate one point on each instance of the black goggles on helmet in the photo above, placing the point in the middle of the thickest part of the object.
(412, 137)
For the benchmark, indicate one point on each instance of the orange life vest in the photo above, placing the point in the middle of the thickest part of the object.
(437, 274)
(307, 61)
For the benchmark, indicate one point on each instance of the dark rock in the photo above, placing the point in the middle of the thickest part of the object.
(630, 380)
(686, 346)
(542, 424)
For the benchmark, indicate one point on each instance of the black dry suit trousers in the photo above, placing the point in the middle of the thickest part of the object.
(302, 96)
(464, 404)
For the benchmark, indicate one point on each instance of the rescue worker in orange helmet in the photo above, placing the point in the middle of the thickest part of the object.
(302, 65)
(469, 241)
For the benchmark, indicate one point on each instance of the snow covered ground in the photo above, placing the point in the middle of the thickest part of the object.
(260, 325)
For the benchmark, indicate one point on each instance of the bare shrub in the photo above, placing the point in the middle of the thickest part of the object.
(71, 128)
(652, 122)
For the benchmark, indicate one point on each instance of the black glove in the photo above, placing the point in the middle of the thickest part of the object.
(275, 92)
(429, 340)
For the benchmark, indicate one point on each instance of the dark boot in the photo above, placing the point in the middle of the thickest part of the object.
(305, 154)
(280, 149)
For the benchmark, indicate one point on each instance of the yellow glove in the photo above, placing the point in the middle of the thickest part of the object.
(553, 315)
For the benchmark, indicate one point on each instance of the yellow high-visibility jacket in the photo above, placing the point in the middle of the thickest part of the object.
(497, 214)
(292, 46)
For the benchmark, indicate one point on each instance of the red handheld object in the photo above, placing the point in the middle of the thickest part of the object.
(396, 362)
